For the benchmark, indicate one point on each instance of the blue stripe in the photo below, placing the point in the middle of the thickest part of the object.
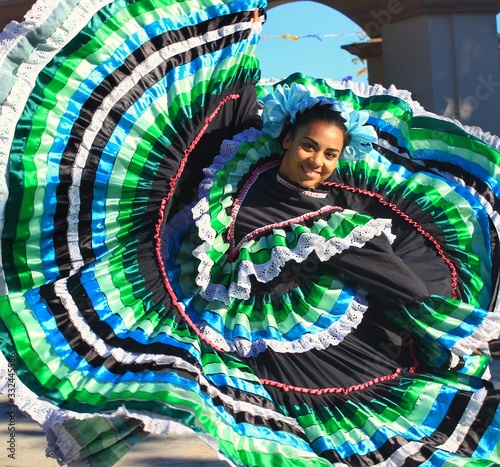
(489, 444)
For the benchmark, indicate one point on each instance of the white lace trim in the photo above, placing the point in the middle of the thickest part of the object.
(39, 13)
(99, 117)
(366, 90)
(62, 32)
(331, 336)
(179, 222)
(490, 326)
(399, 457)
(308, 243)
(103, 349)
(27, 72)
(328, 337)
(228, 150)
(488, 330)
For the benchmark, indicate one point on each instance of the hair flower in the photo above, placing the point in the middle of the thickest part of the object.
(281, 105)
(362, 135)
(287, 102)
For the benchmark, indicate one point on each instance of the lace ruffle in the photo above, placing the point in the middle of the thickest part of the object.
(367, 90)
(62, 445)
(214, 319)
(309, 241)
(331, 336)
(212, 306)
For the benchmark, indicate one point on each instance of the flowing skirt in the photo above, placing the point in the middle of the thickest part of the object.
(109, 112)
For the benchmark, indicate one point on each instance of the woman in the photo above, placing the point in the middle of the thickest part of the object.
(320, 300)
(123, 314)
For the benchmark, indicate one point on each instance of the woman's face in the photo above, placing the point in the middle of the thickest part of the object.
(312, 155)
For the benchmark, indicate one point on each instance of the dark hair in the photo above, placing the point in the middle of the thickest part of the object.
(323, 113)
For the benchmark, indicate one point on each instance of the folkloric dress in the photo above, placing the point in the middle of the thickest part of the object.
(352, 324)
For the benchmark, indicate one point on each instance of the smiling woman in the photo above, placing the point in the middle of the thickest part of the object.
(177, 252)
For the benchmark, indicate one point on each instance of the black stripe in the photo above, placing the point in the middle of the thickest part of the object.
(276, 424)
(233, 117)
(449, 423)
(105, 332)
(470, 180)
(484, 190)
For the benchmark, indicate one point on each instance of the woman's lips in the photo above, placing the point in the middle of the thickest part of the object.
(309, 172)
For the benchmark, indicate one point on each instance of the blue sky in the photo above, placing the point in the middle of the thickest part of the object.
(319, 58)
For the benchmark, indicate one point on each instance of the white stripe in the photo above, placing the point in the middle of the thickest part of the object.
(26, 75)
(490, 326)
(398, 458)
(280, 255)
(50, 416)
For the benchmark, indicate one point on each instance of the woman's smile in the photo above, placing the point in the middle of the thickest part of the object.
(310, 172)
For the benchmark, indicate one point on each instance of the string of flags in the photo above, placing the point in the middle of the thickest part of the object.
(361, 34)
(319, 37)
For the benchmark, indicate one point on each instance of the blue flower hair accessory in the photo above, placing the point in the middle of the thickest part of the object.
(288, 101)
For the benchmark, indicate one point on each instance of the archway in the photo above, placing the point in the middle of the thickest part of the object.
(445, 53)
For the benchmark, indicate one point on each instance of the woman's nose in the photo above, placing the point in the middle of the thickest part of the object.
(317, 159)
